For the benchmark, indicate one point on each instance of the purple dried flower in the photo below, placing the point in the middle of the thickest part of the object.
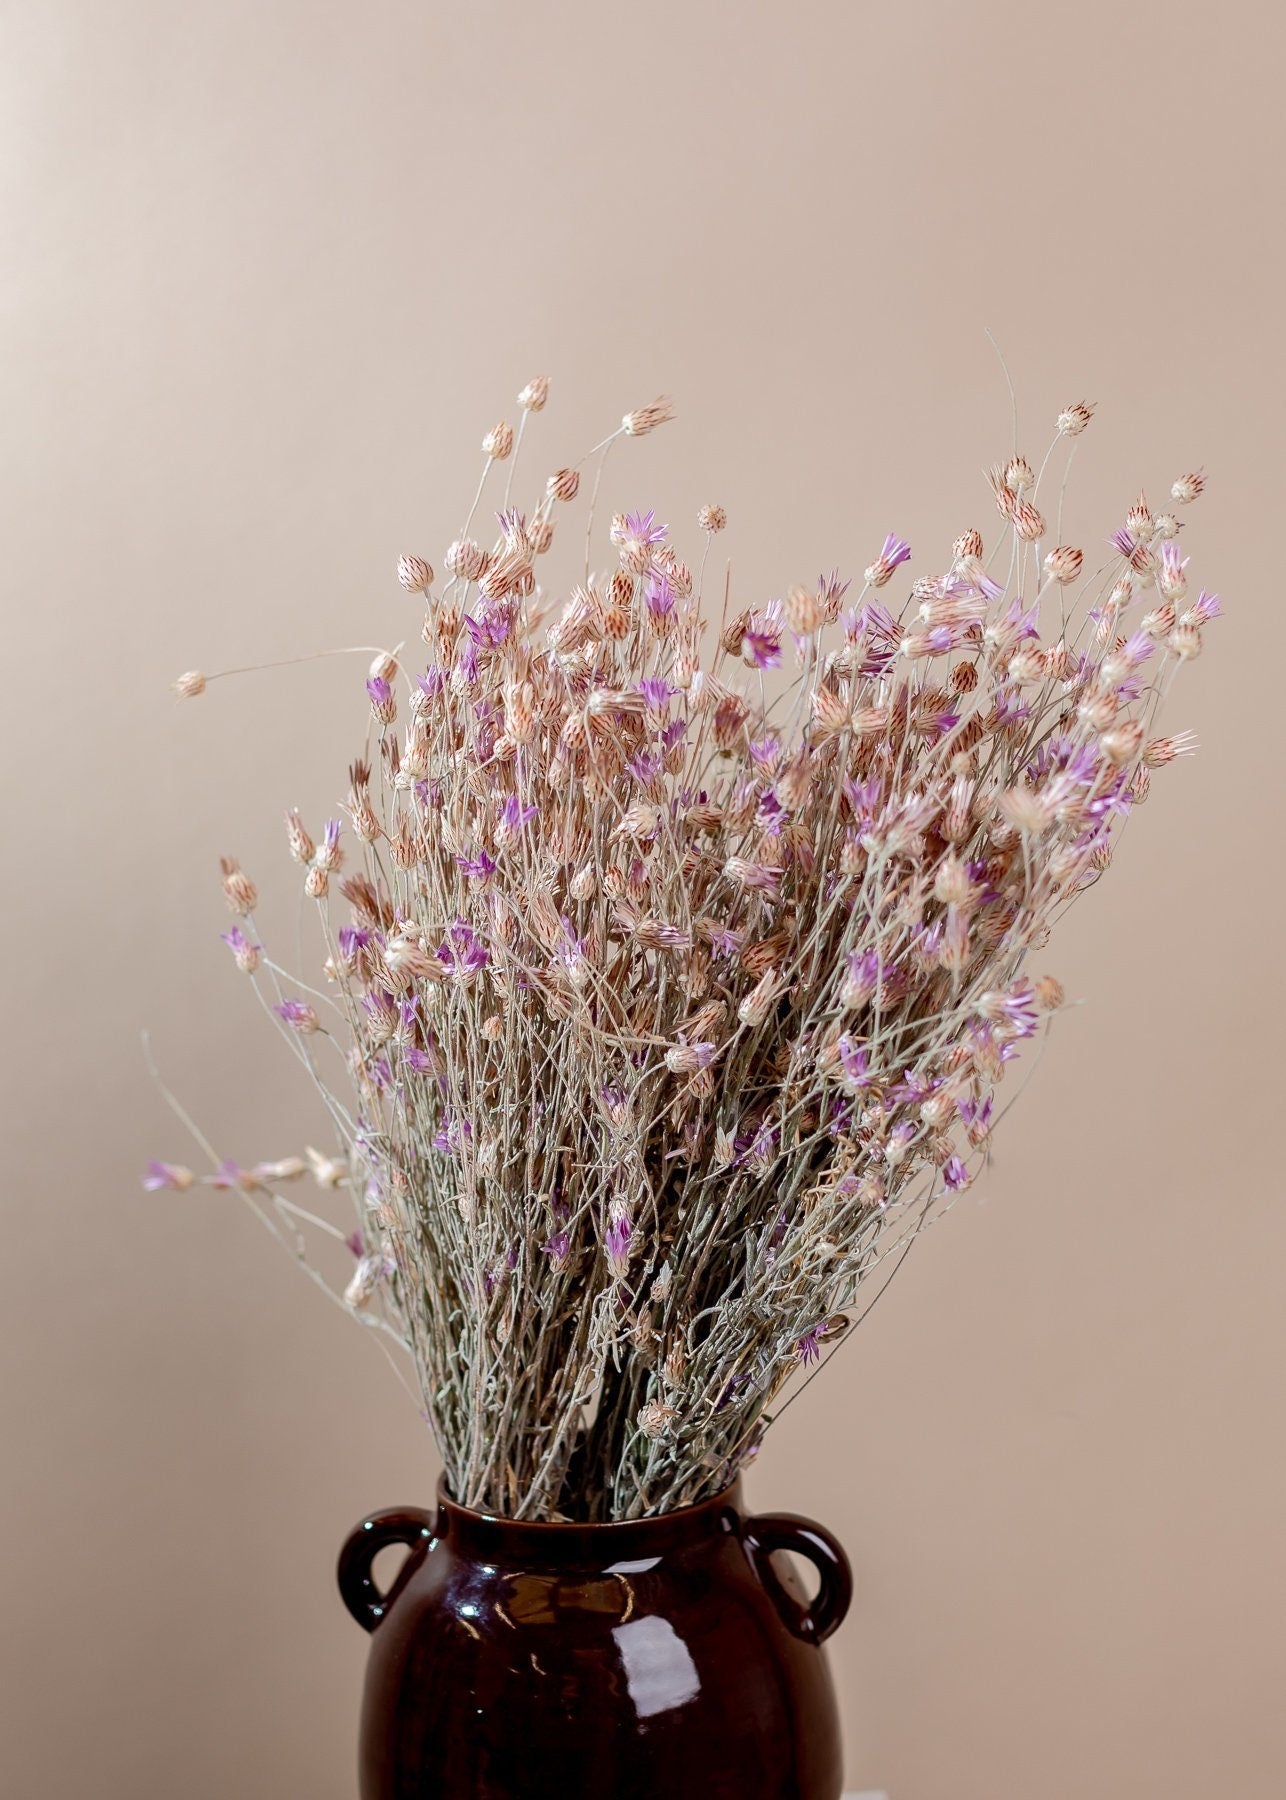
(464, 954)
(558, 1249)
(955, 1175)
(246, 954)
(383, 705)
(514, 816)
(761, 639)
(657, 692)
(808, 1348)
(896, 551)
(478, 868)
(167, 1175)
(616, 1241)
(854, 1060)
(231, 1175)
(644, 527)
(298, 1015)
(659, 595)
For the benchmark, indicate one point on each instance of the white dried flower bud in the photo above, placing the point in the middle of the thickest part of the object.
(1029, 524)
(647, 418)
(1049, 993)
(1027, 811)
(1122, 744)
(1138, 521)
(290, 1168)
(414, 573)
(327, 1171)
(1188, 487)
(655, 1419)
(712, 518)
(564, 484)
(761, 999)
(190, 685)
(534, 395)
(383, 667)
(952, 883)
(239, 891)
(1161, 751)
(803, 612)
(371, 1270)
(498, 442)
(1073, 419)
(301, 845)
(1185, 641)
(466, 558)
(1063, 565)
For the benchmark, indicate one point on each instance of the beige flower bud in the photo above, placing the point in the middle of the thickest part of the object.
(498, 442)
(414, 573)
(534, 395)
(712, 518)
(803, 612)
(190, 685)
(1122, 744)
(1028, 522)
(563, 484)
(239, 891)
(647, 418)
(655, 1419)
(1185, 641)
(1073, 419)
(466, 559)
(1063, 565)
(1049, 993)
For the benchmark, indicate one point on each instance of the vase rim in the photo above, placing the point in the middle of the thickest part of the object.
(625, 1537)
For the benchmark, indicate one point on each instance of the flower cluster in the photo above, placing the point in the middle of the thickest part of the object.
(676, 963)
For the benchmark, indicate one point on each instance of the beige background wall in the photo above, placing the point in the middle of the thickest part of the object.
(270, 269)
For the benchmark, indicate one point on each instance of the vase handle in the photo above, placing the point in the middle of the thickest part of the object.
(815, 1622)
(398, 1525)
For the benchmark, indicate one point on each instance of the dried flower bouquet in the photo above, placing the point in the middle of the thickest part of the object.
(671, 969)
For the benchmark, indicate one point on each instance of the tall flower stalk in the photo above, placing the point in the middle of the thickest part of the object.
(672, 966)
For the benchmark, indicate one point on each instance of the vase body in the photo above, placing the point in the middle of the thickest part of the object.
(665, 1657)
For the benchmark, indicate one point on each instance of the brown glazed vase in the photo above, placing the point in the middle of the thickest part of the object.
(663, 1657)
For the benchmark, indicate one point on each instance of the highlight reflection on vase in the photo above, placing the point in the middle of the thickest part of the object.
(670, 1655)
